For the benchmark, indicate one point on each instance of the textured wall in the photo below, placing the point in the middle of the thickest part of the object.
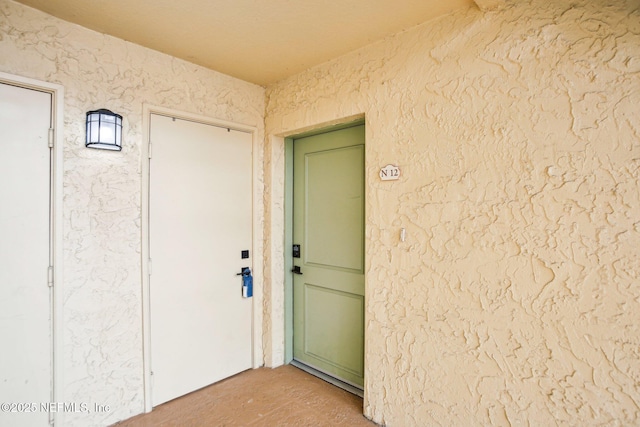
(102, 190)
(515, 299)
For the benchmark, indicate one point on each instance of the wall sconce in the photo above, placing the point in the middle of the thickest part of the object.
(104, 130)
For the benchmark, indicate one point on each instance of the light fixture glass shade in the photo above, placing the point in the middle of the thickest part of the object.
(104, 130)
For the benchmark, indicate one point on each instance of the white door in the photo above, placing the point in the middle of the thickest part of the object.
(25, 306)
(200, 222)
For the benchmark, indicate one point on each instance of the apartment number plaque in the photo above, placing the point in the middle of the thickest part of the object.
(390, 173)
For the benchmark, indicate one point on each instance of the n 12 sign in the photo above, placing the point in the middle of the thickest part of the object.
(389, 173)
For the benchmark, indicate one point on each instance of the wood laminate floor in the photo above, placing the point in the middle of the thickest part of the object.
(285, 396)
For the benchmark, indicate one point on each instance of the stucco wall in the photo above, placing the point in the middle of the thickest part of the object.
(102, 190)
(515, 299)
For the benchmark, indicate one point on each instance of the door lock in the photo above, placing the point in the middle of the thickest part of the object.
(296, 251)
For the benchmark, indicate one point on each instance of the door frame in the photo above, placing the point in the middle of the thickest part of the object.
(256, 250)
(288, 222)
(56, 222)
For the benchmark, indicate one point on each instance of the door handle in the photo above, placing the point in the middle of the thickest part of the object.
(296, 270)
(245, 272)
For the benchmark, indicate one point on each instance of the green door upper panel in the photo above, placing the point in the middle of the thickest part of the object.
(335, 208)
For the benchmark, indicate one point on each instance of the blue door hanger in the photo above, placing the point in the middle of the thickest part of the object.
(247, 283)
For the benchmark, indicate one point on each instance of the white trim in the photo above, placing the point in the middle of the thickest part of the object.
(257, 254)
(57, 118)
(144, 251)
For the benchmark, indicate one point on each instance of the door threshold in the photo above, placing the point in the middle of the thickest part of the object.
(328, 378)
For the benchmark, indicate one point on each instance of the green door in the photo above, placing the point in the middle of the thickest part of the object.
(328, 226)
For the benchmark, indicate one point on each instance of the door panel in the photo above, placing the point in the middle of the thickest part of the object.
(200, 220)
(336, 339)
(328, 222)
(25, 306)
(334, 208)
